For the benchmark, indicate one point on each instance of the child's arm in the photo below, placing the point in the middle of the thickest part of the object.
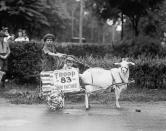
(46, 51)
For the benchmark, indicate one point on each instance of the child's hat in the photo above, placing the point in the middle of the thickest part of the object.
(70, 59)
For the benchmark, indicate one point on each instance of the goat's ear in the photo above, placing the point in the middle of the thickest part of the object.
(131, 63)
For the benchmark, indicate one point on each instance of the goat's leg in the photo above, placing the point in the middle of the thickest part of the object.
(63, 102)
(117, 95)
(86, 100)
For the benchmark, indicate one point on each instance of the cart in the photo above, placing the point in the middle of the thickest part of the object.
(54, 84)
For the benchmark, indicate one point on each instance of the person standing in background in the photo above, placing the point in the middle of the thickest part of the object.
(4, 53)
(12, 38)
(5, 30)
(26, 38)
(20, 37)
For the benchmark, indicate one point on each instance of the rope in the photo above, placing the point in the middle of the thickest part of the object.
(78, 61)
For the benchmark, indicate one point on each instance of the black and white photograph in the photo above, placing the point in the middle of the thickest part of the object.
(82, 65)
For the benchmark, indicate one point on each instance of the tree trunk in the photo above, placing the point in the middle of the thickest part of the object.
(103, 34)
(135, 20)
(122, 26)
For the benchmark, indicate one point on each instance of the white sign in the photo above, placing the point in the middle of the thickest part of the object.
(67, 80)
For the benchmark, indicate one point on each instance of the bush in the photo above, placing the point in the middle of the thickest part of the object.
(148, 72)
(85, 50)
(24, 62)
(141, 45)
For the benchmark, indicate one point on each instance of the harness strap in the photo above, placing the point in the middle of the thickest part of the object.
(121, 78)
(123, 81)
(113, 82)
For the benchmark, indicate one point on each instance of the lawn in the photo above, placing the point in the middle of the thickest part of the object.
(30, 94)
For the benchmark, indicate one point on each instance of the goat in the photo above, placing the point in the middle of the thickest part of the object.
(98, 78)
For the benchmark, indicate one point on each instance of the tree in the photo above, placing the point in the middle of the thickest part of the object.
(134, 9)
(34, 15)
(17, 13)
(58, 17)
(162, 16)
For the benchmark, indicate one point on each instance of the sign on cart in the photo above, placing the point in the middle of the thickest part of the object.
(66, 80)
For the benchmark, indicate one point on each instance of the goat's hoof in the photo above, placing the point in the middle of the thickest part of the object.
(118, 106)
(88, 108)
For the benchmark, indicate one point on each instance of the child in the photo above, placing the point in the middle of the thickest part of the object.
(4, 53)
(51, 57)
(69, 63)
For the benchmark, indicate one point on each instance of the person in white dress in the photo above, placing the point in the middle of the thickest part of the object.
(20, 37)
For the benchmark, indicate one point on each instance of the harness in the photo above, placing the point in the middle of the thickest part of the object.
(113, 82)
(117, 84)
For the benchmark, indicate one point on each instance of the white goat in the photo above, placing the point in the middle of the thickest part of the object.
(99, 78)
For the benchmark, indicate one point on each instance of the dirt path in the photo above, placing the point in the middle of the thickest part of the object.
(74, 117)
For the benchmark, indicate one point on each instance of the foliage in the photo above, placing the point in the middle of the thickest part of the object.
(162, 16)
(150, 25)
(25, 60)
(86, 50)
(25, 63)
(58, 17)
(20, 11)
(148, 72)
(134, 9)
(35, 16)
(141, 45)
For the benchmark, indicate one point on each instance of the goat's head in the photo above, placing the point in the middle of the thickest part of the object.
(124, 65)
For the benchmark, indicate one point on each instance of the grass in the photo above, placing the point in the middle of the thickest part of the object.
(21, 94)
(29, 94)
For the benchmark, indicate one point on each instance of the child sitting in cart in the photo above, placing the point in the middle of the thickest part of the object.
(55, 98)
(69, 63)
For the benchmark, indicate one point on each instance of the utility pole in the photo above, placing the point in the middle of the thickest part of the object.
(81, 22)
(72, 24)
(122, 20)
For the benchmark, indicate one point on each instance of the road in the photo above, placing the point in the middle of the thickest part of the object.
(74, 117)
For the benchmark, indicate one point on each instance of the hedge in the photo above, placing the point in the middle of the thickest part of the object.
(141, 45)
(25, 60)
(147, 73)
(25, 63)
(150, 72)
